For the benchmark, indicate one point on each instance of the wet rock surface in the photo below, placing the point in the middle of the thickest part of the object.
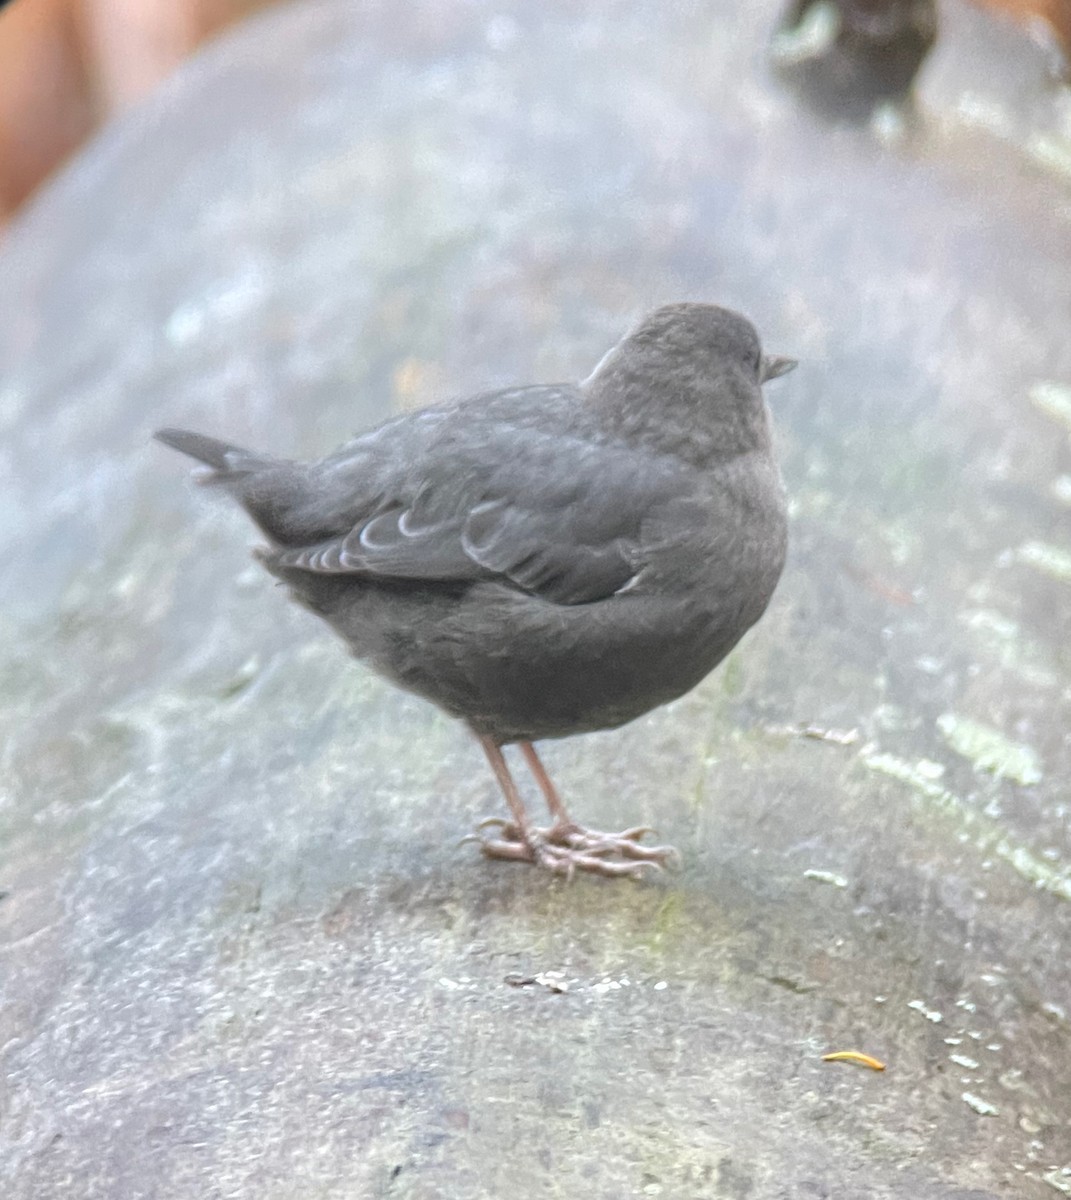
(242, 954)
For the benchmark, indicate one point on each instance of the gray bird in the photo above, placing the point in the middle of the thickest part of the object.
(545, 560)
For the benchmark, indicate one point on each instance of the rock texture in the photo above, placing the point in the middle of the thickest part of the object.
(216, 981)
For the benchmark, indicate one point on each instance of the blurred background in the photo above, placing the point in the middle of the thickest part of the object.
(69, 66)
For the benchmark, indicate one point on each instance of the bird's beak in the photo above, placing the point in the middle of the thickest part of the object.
(774, 366)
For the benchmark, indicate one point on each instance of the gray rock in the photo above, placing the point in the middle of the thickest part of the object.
(242, 954)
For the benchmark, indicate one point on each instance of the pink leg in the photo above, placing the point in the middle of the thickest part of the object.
(566, 831)
(516, 842)
(565, 847)
(550, 792)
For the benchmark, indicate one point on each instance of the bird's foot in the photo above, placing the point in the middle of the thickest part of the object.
(565, 848)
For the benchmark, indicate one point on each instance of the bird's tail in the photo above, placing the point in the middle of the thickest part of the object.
(228, 463)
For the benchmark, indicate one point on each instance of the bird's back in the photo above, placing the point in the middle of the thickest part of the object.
(542, 560)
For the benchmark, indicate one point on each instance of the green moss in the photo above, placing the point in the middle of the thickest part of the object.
(989, 750)
(985, 833)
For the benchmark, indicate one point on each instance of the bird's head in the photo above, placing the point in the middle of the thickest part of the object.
(689, 376)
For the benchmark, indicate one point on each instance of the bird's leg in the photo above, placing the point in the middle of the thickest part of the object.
(515, 839)
(566, 832)
(565, 847)
(562, 820)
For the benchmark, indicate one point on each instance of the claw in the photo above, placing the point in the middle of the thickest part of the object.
(637, 832)
(565, 849)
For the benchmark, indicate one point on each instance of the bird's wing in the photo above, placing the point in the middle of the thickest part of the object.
(563, 522)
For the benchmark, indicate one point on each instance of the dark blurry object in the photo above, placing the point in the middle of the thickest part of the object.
(845, 58)
(544, 561)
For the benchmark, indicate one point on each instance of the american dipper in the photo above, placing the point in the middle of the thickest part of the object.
(545, 560)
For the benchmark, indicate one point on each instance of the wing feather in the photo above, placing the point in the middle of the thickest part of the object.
(563, 523)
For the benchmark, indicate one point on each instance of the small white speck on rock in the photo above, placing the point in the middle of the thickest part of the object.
(982, 1107)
